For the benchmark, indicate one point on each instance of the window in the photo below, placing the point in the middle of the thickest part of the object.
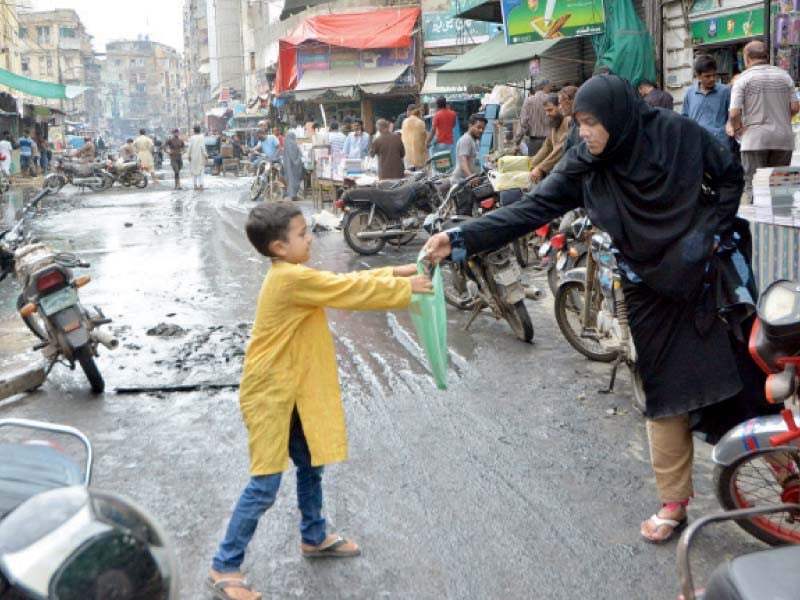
(49, 65)
(66, 32)
(43, 34)
(24, 63)
(252, 61)
(23, 33)
(42, 65)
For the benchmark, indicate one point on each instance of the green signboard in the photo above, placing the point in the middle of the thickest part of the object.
(460, 6)
(441, 29)
(734, 26)
(534, 20)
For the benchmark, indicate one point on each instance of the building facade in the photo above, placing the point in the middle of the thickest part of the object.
(9, 38)
(54, 46)
(226, 50)
(196, 64)
(143, 84)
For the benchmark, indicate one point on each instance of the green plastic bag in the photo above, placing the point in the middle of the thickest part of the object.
(429, 314)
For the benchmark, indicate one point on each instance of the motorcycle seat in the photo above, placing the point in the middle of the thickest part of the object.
(394, 202)
(765, 574)
(29, 469)
(82, 170)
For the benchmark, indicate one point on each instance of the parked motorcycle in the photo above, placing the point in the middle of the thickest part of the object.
(59, 539)
(591, 311)
(49, 303)
(128, 173)
(92, 176)
(268, 179)
(485, 280)
(566, 248)
(392, 212)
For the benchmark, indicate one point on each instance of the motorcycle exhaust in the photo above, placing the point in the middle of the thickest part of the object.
(104, 338)
(378, 235)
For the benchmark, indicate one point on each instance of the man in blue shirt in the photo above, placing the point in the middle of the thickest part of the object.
(707, 101)
(268, 145)
(25, 152)
(357, 143)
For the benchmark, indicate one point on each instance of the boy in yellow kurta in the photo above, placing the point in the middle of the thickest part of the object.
(289, 395)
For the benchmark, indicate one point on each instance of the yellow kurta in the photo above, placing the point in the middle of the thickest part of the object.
(414, 137)
(291, 359)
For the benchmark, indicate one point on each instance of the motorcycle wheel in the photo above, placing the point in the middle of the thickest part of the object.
(750, 481)
(569, 308)
(125, 182)
(258, 184)
(84, 357)
(33, 322)
(455, 287)
(355, 222)
(554, 277)
(639, 399)
(55, 182)
(517, 316)
(522, 251)
(139, 180)
(108, 182)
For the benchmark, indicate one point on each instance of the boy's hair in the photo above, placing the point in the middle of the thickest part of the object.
(269, 222)
(705, 64)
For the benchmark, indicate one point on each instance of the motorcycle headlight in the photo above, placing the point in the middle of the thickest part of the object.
(779, 309)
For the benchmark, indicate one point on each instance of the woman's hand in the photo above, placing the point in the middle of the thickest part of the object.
(421, 284)
(438, 248)
(405, 270)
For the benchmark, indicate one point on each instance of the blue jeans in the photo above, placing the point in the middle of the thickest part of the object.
(259, 495)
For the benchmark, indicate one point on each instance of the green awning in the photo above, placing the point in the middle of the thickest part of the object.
(40, 89)
(491, 63)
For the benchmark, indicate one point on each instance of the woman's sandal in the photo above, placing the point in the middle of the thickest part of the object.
(658, 522)
(333, 550)
(218, 588)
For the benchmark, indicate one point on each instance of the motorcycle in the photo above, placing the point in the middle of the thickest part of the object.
(485, 280)
(391, 212)
(49, 304)
(92, 176)
(59, 539)
(268, 178)
(128, 173)
(591, 311)
(565, 249)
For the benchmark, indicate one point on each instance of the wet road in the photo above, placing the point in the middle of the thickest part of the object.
(514, 483)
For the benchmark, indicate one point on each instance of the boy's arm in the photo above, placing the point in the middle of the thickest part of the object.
(377, 289)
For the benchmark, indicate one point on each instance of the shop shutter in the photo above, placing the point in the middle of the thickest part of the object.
(568, 71)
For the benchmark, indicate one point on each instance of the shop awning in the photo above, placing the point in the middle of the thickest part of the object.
(375, 29)
(40, 89)
(431, 90)
(341, 81)
(492, 63)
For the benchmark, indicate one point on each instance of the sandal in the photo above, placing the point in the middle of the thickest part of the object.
(658, 522)
(218, 587)
(333, 550)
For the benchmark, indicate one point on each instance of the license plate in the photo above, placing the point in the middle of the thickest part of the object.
(52, 303)
(507, 276)
(562, 261)
(544, 249)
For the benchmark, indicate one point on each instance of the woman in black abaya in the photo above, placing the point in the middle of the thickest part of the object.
(667, 192)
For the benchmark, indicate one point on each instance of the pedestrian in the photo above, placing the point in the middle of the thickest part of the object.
(176, 146)
(143, 146)
(655, 97)
(44, 158)
(357, 143)
(293, 408)
(390, 151)
(25, 145)
(101, 146)
(467, 149)
(442, 127)
(762, 105)
(414, 138)
(707, 102)
(694, 365)
(336, 138)
(5, 149)
(532, 120)
(566, 98)
(197, 157)
(553, 148)
(34, 156)
(127, 151)
(293, 168)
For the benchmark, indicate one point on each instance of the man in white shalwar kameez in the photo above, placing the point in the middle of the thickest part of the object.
(197, 157)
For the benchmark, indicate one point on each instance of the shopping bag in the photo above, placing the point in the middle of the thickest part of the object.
(429, 315)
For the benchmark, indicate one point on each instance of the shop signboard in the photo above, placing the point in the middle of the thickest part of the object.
(441, 29)
(733, 26)
(535, 20)
(318, 57)
(460, 6)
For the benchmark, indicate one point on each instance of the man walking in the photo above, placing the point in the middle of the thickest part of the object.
(197, 157)
(442, 126)
(175, 146)
(532, 120)
(761, 110)
(707, 102)
(5, 149)
(467, 149)
(414, 136)
(25, 144)
(390, 152)
(553, 148)
(357, 143)
(655, 97)
(144, 150)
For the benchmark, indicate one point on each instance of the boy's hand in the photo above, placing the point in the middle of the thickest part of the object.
(405, 270)
(421, 284)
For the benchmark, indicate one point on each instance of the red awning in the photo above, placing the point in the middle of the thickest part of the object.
(376, 29)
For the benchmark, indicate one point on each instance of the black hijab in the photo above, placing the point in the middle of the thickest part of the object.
(644, 187)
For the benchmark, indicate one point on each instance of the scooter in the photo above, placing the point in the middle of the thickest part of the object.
(92, 176)
(59, 539)
(485, 280)
(49, 303)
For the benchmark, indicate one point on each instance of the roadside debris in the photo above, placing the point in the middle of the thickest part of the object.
(166, 330)
(325, 221)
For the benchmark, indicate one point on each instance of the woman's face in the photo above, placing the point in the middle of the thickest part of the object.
(565, 104)
(592, 132)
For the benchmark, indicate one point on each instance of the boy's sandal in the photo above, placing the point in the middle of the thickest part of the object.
(333, 550)
(218, 588)
(658, 522)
